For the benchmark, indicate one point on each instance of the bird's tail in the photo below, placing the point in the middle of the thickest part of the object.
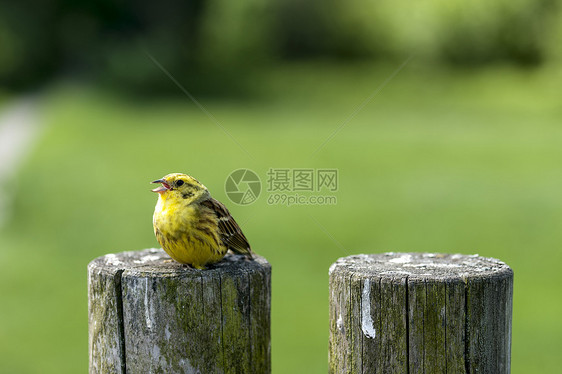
(244, 251)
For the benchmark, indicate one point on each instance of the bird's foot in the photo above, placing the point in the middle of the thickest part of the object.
(188, 266)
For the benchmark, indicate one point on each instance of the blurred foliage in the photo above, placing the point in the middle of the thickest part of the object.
(215, 45)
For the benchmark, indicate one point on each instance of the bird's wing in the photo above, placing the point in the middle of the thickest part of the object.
(230, 233)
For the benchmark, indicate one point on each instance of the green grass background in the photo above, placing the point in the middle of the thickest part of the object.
(447, 161)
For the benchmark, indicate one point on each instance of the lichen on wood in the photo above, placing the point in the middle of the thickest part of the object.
(150, 314)
(427, 313)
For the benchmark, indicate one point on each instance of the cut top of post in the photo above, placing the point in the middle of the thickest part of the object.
(158, 263)
(422, 265)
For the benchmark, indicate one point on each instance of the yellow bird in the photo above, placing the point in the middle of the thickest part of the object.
(191, 226)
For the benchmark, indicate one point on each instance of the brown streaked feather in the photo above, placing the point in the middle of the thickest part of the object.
(231, 234)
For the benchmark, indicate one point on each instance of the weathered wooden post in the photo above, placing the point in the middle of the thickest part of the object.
(149, 314)
(420, 313)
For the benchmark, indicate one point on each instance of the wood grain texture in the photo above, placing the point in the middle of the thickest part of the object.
(148, 314)
(420, 313)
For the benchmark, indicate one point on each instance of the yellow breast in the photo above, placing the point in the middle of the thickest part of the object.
(186, 233)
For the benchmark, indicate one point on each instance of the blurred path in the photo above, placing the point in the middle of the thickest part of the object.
(19, 127)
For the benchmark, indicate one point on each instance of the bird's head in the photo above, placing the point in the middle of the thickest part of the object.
(181, 186)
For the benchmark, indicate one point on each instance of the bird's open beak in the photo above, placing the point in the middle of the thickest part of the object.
(163, 188)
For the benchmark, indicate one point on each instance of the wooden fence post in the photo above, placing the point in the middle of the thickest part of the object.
(420, 313)
(148, 314)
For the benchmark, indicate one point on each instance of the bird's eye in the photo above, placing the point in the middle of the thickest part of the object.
(179, 183)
